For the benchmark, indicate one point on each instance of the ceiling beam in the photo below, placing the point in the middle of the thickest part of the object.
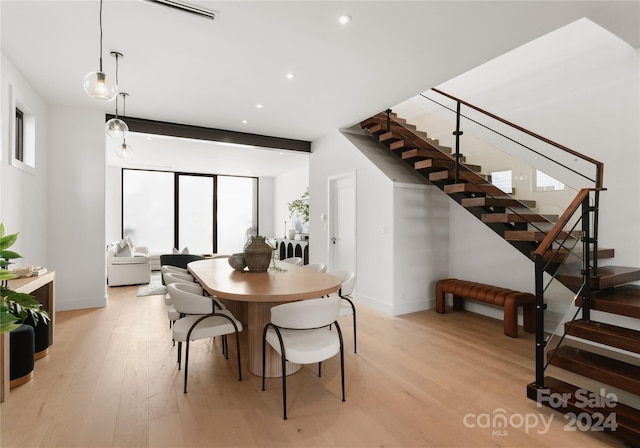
(145, 126)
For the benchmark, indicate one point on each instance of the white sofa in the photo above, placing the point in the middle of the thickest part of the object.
(127, 264)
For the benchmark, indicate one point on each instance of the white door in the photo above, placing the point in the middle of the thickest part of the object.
(342, 222)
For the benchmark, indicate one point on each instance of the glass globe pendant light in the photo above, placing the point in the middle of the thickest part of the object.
(96, 84)
(117, 128)
(124, 151)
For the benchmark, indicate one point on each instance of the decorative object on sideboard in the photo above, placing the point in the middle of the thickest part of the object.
(237, 261)
(15, 307)
(299, 213)
(257, 254)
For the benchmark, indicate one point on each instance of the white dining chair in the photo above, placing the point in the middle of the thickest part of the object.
(300, 333)
(294, 260)
(175, 277)
(169, 268)
(319, 267)
(201, 320)
(347, 284)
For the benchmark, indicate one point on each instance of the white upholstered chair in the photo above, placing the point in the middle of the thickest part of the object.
(201, 320)
(300, 333)
(347, 284)
(294, 260)
(128, 267)
(319, 267)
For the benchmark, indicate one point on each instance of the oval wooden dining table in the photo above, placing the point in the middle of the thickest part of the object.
(261, 291)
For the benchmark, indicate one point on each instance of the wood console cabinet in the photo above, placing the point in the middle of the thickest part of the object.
(42, 288)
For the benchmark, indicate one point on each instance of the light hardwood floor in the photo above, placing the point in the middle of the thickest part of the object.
(418, 380)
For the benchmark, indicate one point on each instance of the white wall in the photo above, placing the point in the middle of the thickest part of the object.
(113, 208)
(287, 188)
(331, 155)
(420, 247)
(265, 206)
(23, 195)
(400, 227)
(76, 199)
(58, 210)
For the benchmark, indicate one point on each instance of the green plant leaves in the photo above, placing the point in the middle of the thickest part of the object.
(15, 306)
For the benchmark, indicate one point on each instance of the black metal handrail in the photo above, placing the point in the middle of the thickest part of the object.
(598, 181)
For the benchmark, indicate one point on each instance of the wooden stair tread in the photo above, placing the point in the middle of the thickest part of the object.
(622, 300)
(601, 368)
(433, 164)
(571, 397)
(417, 154)
(450, 175)
(607, 334)
(468, 187)
(608, 277)
(497, 202)
(534, 235)
(517, 217)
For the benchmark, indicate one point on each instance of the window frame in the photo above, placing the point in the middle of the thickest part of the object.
(27, 160)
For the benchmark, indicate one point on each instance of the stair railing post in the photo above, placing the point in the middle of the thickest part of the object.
(596, 210)
(457, 133)
(586, 259)
(388, 112)
(541, 343)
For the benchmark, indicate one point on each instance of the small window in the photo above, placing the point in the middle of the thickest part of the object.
(22, 130)
(503, 180)
(547, 183)
(19, 133)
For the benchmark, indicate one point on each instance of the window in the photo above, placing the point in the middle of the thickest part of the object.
(204, 212)
(503, 180)
(19, 136)
(547, 183)
(22, 129)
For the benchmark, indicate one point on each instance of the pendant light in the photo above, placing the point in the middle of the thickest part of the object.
(115, 127)
(124, 151)
(96, 84)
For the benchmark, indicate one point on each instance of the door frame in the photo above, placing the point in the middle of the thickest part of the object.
(331, 182)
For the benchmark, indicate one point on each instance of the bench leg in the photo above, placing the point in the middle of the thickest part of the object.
(440, 297)
(510, 317)
(458, 303)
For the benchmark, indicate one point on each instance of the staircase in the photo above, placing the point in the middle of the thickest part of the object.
(609, 291)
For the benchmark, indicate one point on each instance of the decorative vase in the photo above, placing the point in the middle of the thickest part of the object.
(292, 234)
(257, 254)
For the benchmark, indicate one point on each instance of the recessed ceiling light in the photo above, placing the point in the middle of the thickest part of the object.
(259, 106)
(290, 75)
(244, 121)
(344, 19)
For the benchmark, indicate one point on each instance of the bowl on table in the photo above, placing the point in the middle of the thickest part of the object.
(237, 261)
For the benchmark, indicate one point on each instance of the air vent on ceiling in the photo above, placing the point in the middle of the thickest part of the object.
(186, 8)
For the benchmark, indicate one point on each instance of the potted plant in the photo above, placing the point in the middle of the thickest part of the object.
(15, 307)
(300, 208)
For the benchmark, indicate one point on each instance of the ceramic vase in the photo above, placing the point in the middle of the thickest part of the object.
(292, 234)
(257, 254)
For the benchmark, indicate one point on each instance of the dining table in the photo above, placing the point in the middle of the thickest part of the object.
(260, 291)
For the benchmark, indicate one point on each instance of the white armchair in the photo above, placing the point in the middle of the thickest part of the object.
(127, 264)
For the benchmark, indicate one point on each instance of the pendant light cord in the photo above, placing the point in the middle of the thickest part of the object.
(100, 35)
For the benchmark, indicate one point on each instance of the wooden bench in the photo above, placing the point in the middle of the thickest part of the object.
(508, 299)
